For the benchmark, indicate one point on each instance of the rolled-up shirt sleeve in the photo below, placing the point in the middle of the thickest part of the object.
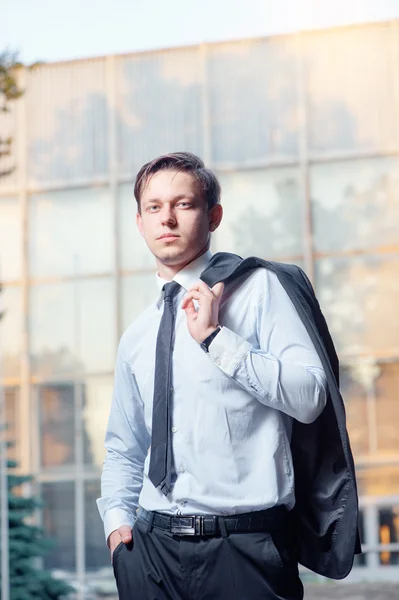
(282, 370)
(127, 441)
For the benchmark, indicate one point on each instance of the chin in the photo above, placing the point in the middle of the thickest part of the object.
(175, 256)
(170, 258)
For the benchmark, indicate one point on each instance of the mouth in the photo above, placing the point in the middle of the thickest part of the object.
(168, 236)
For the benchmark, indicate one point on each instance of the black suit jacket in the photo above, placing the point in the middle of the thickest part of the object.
(326, 509)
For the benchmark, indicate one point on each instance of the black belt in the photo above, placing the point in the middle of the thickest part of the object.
(209, 525)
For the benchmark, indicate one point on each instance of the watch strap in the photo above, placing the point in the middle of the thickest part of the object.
(207, 341)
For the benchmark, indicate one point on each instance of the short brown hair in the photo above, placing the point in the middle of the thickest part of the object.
(180, 161)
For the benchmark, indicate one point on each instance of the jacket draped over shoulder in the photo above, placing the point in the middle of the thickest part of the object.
(326, 510)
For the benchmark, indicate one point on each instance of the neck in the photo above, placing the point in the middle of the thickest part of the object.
(167, 272)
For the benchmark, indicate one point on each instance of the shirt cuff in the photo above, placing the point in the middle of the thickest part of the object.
(228, 350)
(114, 518)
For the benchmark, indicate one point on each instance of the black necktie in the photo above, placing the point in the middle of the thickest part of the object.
(161, 448)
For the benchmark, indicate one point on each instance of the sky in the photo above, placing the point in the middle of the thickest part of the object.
(55, 30)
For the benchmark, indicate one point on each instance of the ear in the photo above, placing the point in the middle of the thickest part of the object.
(139, 223)
(215, 216)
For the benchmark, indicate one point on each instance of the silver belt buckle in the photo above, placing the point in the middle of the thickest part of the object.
(182, 525)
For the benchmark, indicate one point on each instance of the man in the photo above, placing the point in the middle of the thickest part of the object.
(198, 486)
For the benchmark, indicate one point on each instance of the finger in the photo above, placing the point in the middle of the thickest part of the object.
(200, 286)
(187, 303)
(126, 533)
(217, 289)
(190, 311)
(114, 534)
(205, 289)
(194, 295)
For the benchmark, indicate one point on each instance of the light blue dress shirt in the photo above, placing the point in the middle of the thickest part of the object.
(232, 408)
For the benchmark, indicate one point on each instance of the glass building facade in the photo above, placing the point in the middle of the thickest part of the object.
(303, 132)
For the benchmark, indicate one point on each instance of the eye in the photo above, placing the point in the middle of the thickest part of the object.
(152, 208)
(185, 204)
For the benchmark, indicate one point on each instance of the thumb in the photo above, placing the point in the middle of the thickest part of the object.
(217, 289)
(126, 533)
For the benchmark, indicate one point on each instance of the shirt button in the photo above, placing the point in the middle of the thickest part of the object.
(218, 362)
(174, 429)
(181, 469)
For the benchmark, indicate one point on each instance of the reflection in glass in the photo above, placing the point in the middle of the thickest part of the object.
(97, 553)
(355, 399)
(355, 204)
(67, 126)
(10, 239)
(360, 559)
(12, 431)
(389, 533)
(138, 292)
(97, 399)
(57, 425)
(11, 331)
(387, 409)
(73, 327)
(351, 93)
(134, 253)
(9, 153)
(59, 524)
(160, 103)
(377, 480)
(253, 112)
(359, 297)
(262, 214)
(70, 232)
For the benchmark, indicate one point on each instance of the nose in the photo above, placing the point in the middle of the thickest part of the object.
(168, 216)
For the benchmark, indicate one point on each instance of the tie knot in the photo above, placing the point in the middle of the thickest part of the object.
(170, 290)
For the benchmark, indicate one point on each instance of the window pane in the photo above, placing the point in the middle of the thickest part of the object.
(59, 524)
(97, 553)
(12, 431)
(10, 239)
(73, 327)
(360, 559)
(10, 331)
(355, 398)
(378, 480)
(70, 233)
(138, 291)
(57, 425)
(9, 129)
(134, 253)
(387, 407)
(389, 533)
(253, 100)
(97, 399)
(355, 204)
(359, 297)
(67, 128)
(351, 90)
(159, 99)
(262, 214)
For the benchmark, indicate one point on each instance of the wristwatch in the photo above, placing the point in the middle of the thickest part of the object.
(207, 341)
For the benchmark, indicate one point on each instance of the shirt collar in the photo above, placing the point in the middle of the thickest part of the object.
(189, 275)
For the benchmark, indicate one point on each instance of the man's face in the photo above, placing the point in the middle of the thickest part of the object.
(174, 220)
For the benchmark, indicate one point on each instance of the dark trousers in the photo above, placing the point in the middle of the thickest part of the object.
(239, 566)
